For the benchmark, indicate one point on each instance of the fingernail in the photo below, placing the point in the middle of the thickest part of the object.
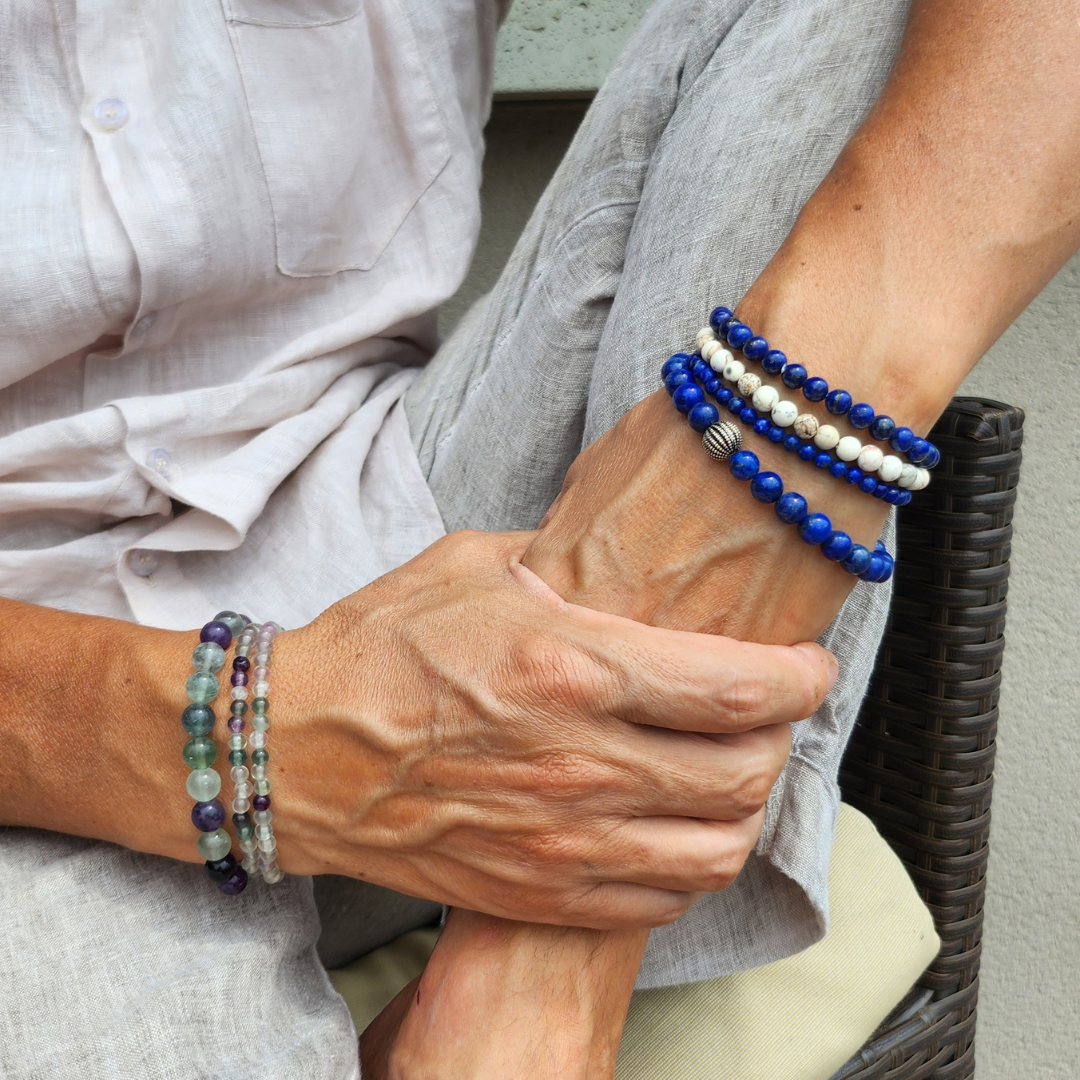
(815, 654)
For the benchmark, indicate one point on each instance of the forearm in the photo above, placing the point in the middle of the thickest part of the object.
(90, 728)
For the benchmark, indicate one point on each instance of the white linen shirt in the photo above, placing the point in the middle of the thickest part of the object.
(225, 226)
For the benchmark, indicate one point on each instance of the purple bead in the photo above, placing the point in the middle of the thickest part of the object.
(236, 884)
(238, 678)
(261, 802)
(236, 724)
(241, 663)
(218, 633)
(208, 816)
(221, 870)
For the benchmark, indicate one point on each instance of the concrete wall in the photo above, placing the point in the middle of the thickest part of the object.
(1029, 1026)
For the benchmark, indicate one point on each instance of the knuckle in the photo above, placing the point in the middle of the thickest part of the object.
(561, 773)
(752, 790)
(745, 701)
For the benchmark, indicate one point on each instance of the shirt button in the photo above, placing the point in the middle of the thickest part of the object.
(162, 463)
(143, 563)
(111, 114)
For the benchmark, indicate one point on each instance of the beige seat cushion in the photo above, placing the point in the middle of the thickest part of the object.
(800, 1018)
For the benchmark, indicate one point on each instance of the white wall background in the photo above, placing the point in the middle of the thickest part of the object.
(1029, 1022)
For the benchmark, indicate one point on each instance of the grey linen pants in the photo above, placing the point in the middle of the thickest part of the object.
(715, 126)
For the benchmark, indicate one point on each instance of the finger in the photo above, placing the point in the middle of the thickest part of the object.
(698, 682)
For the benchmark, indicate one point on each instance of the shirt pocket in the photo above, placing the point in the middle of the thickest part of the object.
(345, 120)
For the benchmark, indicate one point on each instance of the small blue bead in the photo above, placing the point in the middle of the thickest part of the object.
(736, 406)
(680, 361)
(904, 499)
(743, 464)
(792, 442)
(793, 376)
(712, 384)
(902, 439)
(854, 474)
(868, 484)
(738, 334)
(775, 434)
(883, 427)
(703, 415)
(857, 561)
(687, 396)
(919, 449)
(774, 362)
(933, 457)
(755, 348)
(815, 529)
(890, 565)
(815, 389)
(837, 547)
(701, 370)
(874, 569)
(676, 378)
(807, 452)
(823, 460)
(762, 425)
(838, 469)
(791, 507)
(719, 315)
(880, 546)
(723, 395)
(748, 416)
(879, 489)
(767, 487)
(861, 415)
(838, 402)
(891, 495)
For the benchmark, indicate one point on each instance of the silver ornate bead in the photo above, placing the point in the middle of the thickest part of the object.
(722, 440)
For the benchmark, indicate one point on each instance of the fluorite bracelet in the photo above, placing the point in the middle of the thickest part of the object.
(723, 441)
(203, 782)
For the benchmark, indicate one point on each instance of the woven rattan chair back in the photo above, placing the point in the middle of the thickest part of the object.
(921, 760)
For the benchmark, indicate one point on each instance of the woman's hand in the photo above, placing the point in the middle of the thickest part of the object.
(457, 731)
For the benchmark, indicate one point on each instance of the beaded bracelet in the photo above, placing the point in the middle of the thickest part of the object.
(203, 782)
(723, 441)
(861, 416)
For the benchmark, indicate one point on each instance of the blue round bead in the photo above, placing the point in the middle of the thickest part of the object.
(701, 370)
(755, 348)
(222, 869)
(678, 362)
(687, 396)
(815, 528)
(902, 439)
(854, 475)
(712, 384)
(823, 460)
(743, 464)
(208, 816)
(762, 425)
(815, 389)
(874, 569)
(775, 434)
(792, 442)
(766, 487)
(838, 469)
(703, 415)
(857, 561)
(748, 416)
(879, 546)
(861, 415)
(883, 427)
(933, 457)
(735, 405)
(791, 507)
(723, 395)
(879, 489)
(837, 547)
(217, 632)
(807, 452)
(904, 498)
(891, 495)
(838, 402)
(919, 449)
(868, 484)
(774, 362)
(719, 315)
(738, 334)
(793, 376)
(890, 565)
(675, 378)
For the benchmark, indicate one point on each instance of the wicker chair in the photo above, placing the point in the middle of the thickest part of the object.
(921, 760)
